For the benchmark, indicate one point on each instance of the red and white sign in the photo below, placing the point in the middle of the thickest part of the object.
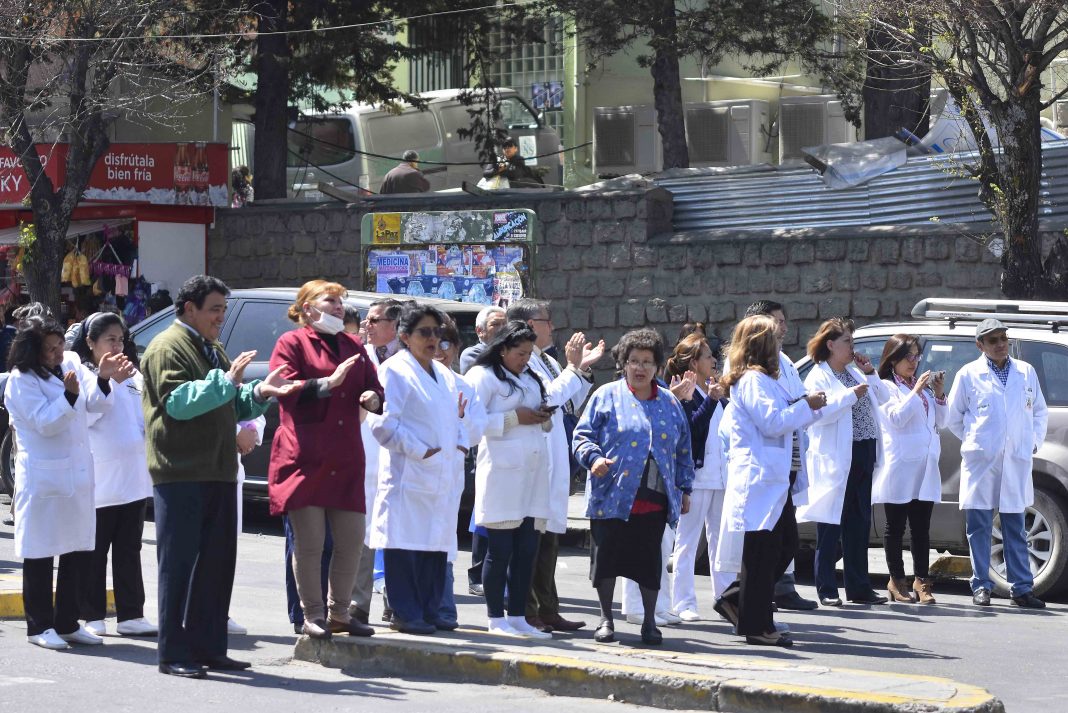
(193, 173)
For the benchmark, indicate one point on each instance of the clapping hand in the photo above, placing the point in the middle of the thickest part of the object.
(70, 382)
(683, 387)
(591, 355)
(236, 374)
(115, 366)
(461, 404)
(276, 385)
(574, 348)
(338, 377)
(716, 390)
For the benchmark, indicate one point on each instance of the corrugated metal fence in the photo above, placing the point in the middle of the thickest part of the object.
(926, 188)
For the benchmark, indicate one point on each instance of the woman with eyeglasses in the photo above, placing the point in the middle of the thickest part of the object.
(704, 409)
(843, 450)
(907, 480)
(316, 472)
(512, 477)
(634, 439)
(424, 442)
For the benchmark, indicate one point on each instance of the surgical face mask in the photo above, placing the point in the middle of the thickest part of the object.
(328, 323)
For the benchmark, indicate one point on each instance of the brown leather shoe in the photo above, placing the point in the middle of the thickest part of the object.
(539, 624)
(924, 589)
(898, 589)
(559, 623)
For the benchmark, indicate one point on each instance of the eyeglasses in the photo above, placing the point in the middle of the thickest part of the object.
(913, 357)
(444, 345)
(428, 332)
(641, 364)
(376, 320)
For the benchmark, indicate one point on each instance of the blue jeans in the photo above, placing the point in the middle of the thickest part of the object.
(447, 610)
(980, 526)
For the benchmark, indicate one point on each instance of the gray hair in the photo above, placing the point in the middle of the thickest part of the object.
(484, 314)
(527, 309)
(410, 155)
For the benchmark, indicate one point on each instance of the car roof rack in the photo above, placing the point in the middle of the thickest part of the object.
(1052, 314)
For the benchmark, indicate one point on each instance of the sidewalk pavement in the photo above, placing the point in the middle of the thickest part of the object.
(651, 677)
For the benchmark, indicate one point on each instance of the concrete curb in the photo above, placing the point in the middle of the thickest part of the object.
(11, 604)
(663, 679)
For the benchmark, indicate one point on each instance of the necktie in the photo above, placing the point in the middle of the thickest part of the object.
(554, 371)
(212, 356)
(381, 352)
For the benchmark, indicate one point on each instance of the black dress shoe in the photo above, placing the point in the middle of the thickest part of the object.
(298, 629)
(651, 636)
(795, 601)
(316, 629)
(352, 627)
(476, 589)
(411, 627)
(446, 624)
(869, 598)
(606, 632)
(183, 669)
(1029, 601)
(772, 638)
(831, 601)
(224, 663)
(981, 597)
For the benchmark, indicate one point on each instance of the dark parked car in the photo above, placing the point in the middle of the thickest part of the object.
(255, 318)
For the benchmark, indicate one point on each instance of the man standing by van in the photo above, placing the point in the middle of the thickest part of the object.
(997, 410)
(406, 177)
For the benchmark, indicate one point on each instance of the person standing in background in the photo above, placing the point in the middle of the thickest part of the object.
(488, 322)
(405, 177)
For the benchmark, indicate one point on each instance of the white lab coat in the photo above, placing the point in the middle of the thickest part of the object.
(259, 424)
(117, 442)
(55, 511)
(512, 468)
(830, 442)
(372, 453)
(417, 500)
(474, 422)
(911, 447)
(999, 427)
(566, 386)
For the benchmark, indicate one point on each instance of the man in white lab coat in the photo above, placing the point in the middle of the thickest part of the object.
(997, 410)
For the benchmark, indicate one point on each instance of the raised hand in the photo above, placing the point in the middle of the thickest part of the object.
(591, 355)
(683, 387)
(338, 377)
(461, 404)
(574, 349)
(236, 374)
(276, 385)
(115, 366)
(70, 382)
(864, 363)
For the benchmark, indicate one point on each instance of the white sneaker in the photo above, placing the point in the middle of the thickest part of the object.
(48, 639)
(639, 619)
(500, 626)
(82, 636)
(139, 627)
(232, 627)
(97, 627)
(519, 623)
(669, 617)
(689, 615)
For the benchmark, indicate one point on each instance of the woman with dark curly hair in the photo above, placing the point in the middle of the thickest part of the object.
(634, 439)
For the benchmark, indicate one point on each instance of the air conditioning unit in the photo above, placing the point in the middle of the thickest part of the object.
(1060, 115)
(811, 121)
(625, 140)
(727, 133)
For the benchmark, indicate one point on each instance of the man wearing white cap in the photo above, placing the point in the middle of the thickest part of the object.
(997, 410)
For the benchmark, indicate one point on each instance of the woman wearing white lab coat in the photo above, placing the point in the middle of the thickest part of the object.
(512, 474)
(907, 480)
(48, 396)
(843, 450)
(762, 419)
(423, 437)
(122, 484)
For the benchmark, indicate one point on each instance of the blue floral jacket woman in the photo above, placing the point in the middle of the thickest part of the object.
(617, 425)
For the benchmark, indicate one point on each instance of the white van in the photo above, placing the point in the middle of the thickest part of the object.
(323, 147)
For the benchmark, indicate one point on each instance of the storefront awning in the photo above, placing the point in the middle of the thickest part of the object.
(10, 236)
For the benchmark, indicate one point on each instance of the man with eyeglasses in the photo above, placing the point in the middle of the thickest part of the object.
(997, 410)
(381, 327)
(567, 388)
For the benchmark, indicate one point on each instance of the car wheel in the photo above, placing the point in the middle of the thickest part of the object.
(1047, 528)
(7, 464)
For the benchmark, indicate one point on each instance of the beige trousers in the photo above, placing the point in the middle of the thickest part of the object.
(309, 533)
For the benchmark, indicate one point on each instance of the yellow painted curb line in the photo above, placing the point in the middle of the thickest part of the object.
(11, 604)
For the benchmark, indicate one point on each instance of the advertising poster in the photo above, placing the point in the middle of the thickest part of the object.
(473, 273)
(387, 228)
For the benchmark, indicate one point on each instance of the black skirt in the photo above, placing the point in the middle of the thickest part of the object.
(628, 548)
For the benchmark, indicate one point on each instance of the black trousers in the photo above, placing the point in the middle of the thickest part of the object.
(119, 529)
(416, 582)
(510, 560)
(543, 599)
(196, 549)
(917, 514)
(852, 533)
(41, 613)
(765, 556)
(479, 547)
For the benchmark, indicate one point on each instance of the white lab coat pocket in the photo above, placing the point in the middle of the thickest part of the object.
(425, 474)
(48, 477)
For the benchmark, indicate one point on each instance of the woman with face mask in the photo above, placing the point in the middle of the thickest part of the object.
(317, 470)
(122, 482)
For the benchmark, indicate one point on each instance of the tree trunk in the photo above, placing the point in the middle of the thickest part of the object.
(895, 96)
(272, 103)
(43, 263)
(1014, 199)
(667, 89)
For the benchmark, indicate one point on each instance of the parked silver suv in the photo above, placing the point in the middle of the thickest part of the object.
(946, 329)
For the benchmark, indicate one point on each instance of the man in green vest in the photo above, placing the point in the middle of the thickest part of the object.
(193, 398)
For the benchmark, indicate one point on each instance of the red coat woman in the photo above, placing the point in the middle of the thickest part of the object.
(317, 458)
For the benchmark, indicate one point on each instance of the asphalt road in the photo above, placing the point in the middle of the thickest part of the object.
(1018, 655)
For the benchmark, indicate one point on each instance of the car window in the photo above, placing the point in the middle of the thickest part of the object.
(940, 353)
(258, 326)
(871, 347)
(146, 331)
(1051, 364)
